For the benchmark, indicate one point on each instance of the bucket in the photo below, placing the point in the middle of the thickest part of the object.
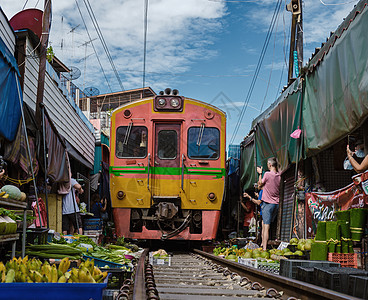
(357, 217)
(345, 229)
(343, 215)
(321, 231)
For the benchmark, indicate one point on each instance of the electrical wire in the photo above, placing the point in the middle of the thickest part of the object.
(259, 64)
(102, 39)
(31, 55)
(273, 59)
(145, 41)
(93, 46)
(25, 4)
(335, 4)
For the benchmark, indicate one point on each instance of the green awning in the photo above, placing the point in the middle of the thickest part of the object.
(273, 128)
(335, 101)
(247, 167)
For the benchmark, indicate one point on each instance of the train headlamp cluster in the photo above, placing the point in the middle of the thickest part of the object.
(168, 100)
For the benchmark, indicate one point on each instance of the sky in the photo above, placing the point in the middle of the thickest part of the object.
(207, 49)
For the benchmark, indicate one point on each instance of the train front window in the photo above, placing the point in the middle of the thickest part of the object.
(167, 144)
(131, 141)
(203, 143)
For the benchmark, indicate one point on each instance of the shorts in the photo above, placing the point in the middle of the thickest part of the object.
(269, 212)
(70, 219)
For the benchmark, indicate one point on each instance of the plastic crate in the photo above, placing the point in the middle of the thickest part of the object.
(305, 274)
(348, 260)
(92, 224)
(101, 263)
(269, 267)
(336, 279)
(54, 291)
(117, 277)
(34, 236)
(250, 262)
(288, 267)
(110, 294)
(358, 286)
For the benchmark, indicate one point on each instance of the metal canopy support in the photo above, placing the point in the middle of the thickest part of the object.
(29, 156)
(45, 160)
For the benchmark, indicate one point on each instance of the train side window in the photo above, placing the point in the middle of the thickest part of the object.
(203, 143)
(131, 141)
(167, 144)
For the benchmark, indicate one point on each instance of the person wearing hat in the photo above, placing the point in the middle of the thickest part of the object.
(356, 160)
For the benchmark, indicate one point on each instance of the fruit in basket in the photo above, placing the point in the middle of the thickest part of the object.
(265, 254)
(298, 252)
(308, 245)
(293, 241)
(247, 255)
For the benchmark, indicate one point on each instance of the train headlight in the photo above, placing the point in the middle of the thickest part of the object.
(174, 102)
(211, 196)
(161, 102)
(120, 195)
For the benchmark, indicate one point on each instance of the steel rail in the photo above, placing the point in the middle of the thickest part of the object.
(139, 291)
(290, 287)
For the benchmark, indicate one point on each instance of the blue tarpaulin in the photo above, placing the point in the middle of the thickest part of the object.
(234, 158)
(10, 106)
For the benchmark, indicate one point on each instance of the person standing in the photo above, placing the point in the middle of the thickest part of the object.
(71, 215)
(270, 183)
(359, 166)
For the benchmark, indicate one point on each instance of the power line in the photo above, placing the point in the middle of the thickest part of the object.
(102, 39)
(273, 58)
(145, 41)
(252, 85)
(25, 4)
(334, 4)
(93, 46)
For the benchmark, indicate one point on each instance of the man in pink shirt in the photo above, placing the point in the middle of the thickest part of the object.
(270, 183)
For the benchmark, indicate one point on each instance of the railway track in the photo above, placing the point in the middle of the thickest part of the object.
(201, 276)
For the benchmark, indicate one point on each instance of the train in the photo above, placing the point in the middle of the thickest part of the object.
(167, 168)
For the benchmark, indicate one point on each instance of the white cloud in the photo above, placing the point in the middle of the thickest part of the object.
(179, 34)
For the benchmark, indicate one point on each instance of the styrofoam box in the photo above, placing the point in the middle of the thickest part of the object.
(250, 262)
(164, 261)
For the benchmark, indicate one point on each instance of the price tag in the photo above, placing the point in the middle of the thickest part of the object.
(160, 261)
(282, 245)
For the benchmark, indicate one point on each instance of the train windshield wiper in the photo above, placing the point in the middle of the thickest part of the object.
(200, 135)
(127, 134)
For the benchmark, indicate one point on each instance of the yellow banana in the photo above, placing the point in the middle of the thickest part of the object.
(2, 267)
(62, 279)
(5, 196)
(96, 271)
(10, 276)
(3, 276)
(2, 193)
(82, 275)
(54, 274)
(37, 276)
(98, 278)
(25, 259)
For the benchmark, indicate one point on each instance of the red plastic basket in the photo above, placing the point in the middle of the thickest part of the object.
(345, 259)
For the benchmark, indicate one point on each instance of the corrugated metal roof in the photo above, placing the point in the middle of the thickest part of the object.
(319, 56)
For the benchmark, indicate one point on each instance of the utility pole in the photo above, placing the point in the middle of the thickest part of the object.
(296, 39)
(46, 19)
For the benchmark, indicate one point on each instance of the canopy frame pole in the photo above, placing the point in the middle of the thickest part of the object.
(29, 154)
(45, 160)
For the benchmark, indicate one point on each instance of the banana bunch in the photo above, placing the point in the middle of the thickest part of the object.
(4, 195)
(33, 270)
